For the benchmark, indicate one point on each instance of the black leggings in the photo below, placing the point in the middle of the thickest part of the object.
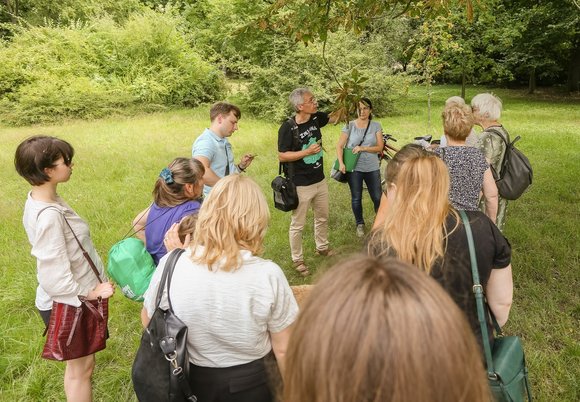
(248, 382)
(45, 315)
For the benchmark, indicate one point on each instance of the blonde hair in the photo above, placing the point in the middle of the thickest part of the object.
(382, 331)
(183, 171)
(457, 120)
(233, 217)
(414, 225)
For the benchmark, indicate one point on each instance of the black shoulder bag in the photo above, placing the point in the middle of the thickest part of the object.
(161, 367)
(507, 373)
(285, 194)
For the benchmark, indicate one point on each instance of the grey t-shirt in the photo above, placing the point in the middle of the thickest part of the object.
(367, 162)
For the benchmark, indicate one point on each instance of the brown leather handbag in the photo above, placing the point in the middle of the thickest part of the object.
(74, 332)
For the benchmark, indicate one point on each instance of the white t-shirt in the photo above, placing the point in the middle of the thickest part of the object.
(229, 315)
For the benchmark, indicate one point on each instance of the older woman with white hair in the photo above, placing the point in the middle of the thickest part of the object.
(492, 141)
(238, 306)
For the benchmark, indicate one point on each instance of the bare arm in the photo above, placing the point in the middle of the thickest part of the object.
(292, 156)
(139, 224)
(144, 318)
(381, 212)
(491, 195)
(280, 345)
(339, 147)
(209, 178)
(499, 292)
(374, 149)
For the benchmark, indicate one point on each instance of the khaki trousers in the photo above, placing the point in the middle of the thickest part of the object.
(317, 195)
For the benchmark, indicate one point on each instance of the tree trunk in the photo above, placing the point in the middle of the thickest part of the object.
(463, 84)
(574, 71)
(532, 82)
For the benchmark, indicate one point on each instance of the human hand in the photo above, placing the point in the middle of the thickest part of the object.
(246, 160)
(357, 149)
(342, 167)
(313, 148)
(171, 240)
(103, 290)
(337, 116)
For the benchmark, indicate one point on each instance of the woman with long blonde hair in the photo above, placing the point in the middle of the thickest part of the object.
(238, 306)
(422, 228)
(378, 330)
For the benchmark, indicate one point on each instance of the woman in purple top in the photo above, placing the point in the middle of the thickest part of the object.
(175, 196)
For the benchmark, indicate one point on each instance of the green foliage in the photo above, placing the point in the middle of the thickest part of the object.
(110, 185)
(88, 71)
(42, 12)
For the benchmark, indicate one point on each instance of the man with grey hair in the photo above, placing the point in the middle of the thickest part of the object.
(300, 152)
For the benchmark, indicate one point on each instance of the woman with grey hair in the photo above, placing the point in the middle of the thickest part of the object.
(492, 141)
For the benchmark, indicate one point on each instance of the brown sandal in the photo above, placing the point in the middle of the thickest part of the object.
(301, 268)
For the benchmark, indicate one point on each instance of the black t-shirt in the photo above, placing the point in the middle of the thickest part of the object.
(492, 250)
(453, 272)
(308, 170)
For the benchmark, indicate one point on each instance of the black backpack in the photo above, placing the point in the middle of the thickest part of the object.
(285, 194)
(515, 175)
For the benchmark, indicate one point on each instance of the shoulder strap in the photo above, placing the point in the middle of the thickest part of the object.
(478, 292)
(295, 144)
(166, 277)
(365, 134)
(85, 253)
(500, 135)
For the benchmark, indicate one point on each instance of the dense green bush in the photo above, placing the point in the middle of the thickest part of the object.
(86, 71)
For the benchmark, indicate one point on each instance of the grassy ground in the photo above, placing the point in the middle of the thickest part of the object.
(116, 164)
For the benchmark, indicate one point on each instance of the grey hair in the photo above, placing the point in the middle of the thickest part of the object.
(455, 99)
(296, 97)
(487, 105)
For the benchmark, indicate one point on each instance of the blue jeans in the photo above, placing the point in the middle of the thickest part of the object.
(355, 182)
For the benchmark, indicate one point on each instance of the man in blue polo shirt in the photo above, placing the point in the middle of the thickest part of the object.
(213, 149)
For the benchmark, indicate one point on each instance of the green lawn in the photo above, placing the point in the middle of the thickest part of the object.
(117, 161)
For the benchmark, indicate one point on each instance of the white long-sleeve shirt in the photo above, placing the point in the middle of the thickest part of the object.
(63, 272)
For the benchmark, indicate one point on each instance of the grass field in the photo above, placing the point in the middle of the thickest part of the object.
(117, 161)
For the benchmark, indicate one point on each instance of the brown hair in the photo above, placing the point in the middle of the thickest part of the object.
(39, 152)
(414, 226)
(187, 226)
(233, 217)
(183, 171)
(224, 108)
(381, 330)
(457, 120)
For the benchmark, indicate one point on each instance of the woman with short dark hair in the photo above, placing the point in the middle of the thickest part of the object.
(64, 274)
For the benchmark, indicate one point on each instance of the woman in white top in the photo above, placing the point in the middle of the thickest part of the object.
(238, 307)
(365, 137)
(63, 272)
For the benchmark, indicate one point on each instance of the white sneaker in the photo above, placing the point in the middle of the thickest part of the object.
(360, 230)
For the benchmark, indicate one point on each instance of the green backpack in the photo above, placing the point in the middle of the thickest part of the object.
(131, 267)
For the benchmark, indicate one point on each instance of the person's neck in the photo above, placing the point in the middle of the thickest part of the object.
(215, 128)
(302, 117)
(490, 123)
(45, 192)
(455, 143)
